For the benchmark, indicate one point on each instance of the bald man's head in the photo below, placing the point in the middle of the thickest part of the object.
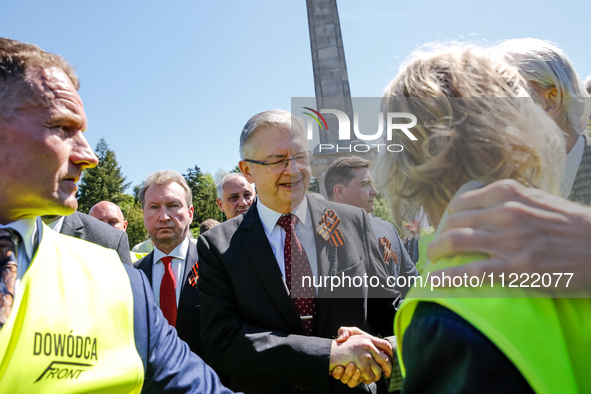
(110, 213)
(235, 195)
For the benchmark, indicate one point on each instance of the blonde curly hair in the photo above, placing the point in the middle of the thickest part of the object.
(475, 120)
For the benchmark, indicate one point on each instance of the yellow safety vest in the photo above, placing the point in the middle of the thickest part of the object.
(547, 339)
(71, 328)
(135, 256)
(425, 239)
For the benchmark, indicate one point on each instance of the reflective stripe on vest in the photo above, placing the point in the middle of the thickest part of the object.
(71, 329)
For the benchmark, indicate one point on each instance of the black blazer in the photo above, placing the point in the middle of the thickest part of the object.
(250, 328)
(188, 318)
(83, 226)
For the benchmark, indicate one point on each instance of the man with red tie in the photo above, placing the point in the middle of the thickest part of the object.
(171, 267)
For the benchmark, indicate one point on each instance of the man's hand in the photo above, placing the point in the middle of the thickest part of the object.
(524, 230)
(364, 356)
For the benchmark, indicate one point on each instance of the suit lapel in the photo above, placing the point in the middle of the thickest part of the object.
(262, 259)
(189, 263)
(189, 294)
(72, 226)
(326, 255)
(146, 264)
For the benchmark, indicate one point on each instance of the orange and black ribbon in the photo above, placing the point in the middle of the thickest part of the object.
(387, 253)
(193, 275)
(329, 228)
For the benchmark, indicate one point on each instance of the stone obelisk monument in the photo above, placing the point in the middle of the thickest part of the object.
(331, 81)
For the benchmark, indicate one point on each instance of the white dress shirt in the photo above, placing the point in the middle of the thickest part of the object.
(179, 255)
(276, 235)
(56, 225)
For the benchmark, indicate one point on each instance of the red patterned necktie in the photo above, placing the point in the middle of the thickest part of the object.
(297, 266)
(8, 270)
(168, 292)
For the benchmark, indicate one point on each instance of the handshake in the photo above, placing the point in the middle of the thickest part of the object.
(356, 357)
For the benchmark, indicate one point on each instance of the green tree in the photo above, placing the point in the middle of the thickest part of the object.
(204, 195)
(104, 182)
(314, 186)
(133, 213)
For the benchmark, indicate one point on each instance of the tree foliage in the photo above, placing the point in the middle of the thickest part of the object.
(104, 182)
(133, 213)
(204, 196)
(314, 186)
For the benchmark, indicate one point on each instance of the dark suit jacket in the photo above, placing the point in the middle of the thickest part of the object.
(250, 328)
(404, 265)
(581, 191)
(83, 226)
(169, 365)
(188, 318)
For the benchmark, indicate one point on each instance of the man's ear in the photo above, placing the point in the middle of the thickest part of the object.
(553, 102)
(246, 170)
(219, 202)
(338, 193)
(191, 210)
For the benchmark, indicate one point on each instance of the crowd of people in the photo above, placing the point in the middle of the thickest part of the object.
(501, 166)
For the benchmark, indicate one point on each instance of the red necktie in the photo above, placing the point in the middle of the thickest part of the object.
(8, 271)
(297, 265)
(168, 292)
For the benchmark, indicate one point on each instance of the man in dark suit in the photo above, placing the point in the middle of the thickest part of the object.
(252, 330)
(64, 285)
(168, 211)
(83, 226)
(349, 181)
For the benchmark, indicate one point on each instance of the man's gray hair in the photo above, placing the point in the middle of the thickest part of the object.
(164, 177)
(271, 118)
(228, 178)
(547, 65)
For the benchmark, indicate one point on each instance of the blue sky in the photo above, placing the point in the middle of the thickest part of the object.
(170, 86)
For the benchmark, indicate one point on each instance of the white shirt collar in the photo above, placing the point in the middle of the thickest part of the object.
(27, 229)
(180, 252)
(57, 224)
(573, 161)
(269, 217)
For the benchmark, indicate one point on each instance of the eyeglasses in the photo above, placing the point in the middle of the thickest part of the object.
(301, 160)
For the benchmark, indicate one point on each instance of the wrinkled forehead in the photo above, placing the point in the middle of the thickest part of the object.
(51, 80)
(237, 185)
(53, 88)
